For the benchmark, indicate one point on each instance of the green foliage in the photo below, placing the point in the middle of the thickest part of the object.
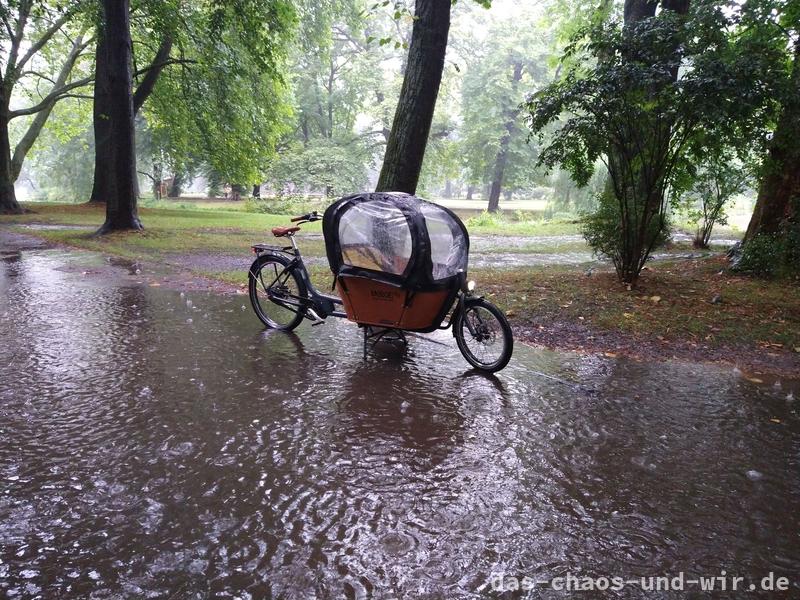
(326, 166)
(486, 219)
(61, 161)
(286, 205)
(225, 106)
(774, 255)
(321, 150)
(626, 101)
(761, 255)
(491, 100)
(713, 186)
(611, 233)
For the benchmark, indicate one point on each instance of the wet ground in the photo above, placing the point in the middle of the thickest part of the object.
(498, 252)
(158, 444)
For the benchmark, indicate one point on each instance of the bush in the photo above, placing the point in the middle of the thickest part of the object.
(486, 219)
(772, 255)
(610, 234)
(761, 255)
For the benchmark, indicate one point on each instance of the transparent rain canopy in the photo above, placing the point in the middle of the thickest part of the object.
(448, 246)
(375, 236)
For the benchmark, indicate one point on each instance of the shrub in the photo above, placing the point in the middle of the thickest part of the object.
(761, 255)
(778, 254)
(486, 219)
(614, 235)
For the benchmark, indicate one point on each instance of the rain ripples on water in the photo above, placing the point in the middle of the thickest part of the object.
(143, 454)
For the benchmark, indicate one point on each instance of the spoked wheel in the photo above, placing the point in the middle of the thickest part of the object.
(483, 335)
(275, 293)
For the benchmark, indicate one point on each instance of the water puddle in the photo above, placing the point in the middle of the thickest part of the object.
(158, 443)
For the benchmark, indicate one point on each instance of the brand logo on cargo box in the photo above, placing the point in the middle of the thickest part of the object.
(381, 295)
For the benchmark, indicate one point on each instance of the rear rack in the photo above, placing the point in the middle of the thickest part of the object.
(258, 248)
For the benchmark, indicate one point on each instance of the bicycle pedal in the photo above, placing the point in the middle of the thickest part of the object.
(315, 318)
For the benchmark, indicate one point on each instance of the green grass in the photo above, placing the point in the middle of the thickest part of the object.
(753, 314)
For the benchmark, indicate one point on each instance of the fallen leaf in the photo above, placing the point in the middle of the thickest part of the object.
(655, 299)
(775, 420)
(155, 284)
(627, 315)
(754, 380)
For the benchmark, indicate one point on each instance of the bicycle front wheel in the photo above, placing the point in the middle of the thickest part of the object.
(483, 335)
(277, 294)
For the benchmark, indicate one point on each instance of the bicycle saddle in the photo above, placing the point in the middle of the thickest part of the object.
(284, 231)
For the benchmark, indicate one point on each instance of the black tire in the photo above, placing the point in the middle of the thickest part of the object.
(263, 274)
(491, 347)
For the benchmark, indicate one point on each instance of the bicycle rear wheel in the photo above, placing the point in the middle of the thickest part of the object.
(276, 293)
(483, 335)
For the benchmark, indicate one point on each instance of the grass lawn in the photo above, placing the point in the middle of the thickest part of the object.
(695, 309)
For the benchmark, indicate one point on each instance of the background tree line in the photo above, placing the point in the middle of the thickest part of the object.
(651, 104)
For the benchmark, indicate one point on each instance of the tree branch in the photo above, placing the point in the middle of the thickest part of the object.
(166, 63)
(52, 97)
(26, 143)
(145, 88)
(16, 39)
(39, 44)
(8, 27)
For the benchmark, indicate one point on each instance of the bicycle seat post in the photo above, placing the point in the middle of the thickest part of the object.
(294, 244)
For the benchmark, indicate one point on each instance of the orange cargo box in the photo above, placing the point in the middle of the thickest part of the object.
(369, 302)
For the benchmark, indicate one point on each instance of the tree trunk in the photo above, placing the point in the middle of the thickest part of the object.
(8, 198)
(781, 180)
(237, 190)
(470, 191)
(448, 189)
(148, 82)
(405, 148)
(497, 176)
(176, 186)
(121, 210)
(502, 155)
(638, 10)
(102, 124)
(256, 190)
(101, 111)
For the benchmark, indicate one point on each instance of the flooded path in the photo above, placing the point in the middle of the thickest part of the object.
(159, 444)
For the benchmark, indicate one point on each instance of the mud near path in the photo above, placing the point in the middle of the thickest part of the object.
(568, 336)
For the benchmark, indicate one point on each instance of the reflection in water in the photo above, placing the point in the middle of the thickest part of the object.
(156, 444)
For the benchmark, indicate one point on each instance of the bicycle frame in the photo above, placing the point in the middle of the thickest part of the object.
(316, 306)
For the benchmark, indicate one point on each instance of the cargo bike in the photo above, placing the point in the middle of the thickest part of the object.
(399, 265)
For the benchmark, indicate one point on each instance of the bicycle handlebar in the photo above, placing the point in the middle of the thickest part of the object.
(312, 216)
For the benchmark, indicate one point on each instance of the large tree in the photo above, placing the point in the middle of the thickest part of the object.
(102, 108)
(501, 72)
(405, 149)
(121, 201)
(30, 34)
(779, 189)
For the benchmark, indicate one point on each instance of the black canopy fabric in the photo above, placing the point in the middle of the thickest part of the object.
(395, 238)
